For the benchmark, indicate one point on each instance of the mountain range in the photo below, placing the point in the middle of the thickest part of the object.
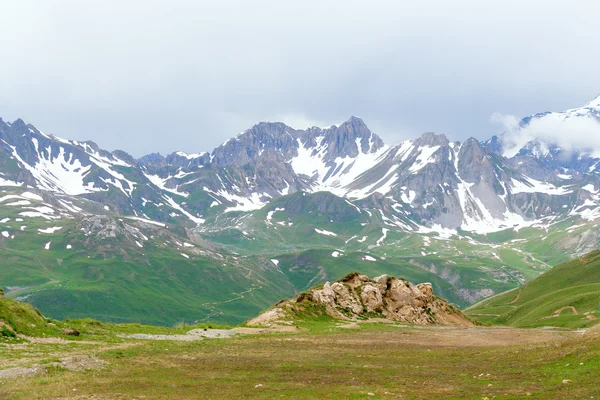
(474, 217)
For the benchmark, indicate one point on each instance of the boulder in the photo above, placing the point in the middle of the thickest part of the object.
(70, 332)
(372, 298)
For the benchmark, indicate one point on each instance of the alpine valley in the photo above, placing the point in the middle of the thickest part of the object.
(274, 211)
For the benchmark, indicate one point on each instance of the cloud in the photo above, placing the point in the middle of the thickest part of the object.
(145, 76)
(570, 131)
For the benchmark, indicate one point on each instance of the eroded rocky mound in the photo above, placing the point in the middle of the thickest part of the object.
(357, 296)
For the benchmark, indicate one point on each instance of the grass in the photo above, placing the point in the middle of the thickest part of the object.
(22, 318)
(386, 361)
(326, 361)
(111, 279)
(549, 299)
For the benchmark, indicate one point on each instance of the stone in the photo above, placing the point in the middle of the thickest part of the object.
(70, 332)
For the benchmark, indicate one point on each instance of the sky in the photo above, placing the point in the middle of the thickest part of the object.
(157, 76)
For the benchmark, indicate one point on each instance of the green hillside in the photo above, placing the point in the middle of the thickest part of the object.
(121, 269)
(22, 318)
(566, 296)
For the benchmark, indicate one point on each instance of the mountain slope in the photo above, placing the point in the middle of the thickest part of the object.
(428, 182)
(568, 295)
(83, 225)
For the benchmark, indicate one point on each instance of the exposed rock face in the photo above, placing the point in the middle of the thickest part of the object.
(426, 182)
(359, 297)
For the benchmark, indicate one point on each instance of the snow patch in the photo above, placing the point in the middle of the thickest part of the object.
(533, 186)
(424, 158)
(324, 232)
(147, 221)
(50, 230)
(384, 232)
(161, 183)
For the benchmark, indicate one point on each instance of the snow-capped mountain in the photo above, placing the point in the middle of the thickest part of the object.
(542, 135)
(421, 184)
(275, 210)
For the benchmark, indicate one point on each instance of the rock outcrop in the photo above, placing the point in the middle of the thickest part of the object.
(357, 296)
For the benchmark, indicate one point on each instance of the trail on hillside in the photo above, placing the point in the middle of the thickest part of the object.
(519, 294)
(560, 310)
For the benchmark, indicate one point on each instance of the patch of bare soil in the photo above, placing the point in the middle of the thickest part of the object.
(593, 331)
(17, 372)
(193, 335)
(271, 329)
(147, 336)
(81, 363)
(57, 340)
(448, 336)
(352, 325)
(72, 363)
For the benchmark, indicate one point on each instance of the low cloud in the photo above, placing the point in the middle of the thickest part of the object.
(570, 132)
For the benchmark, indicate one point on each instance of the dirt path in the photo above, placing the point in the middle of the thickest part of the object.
(519, 294)
(193, 335)
(560, 310)
(557, 312)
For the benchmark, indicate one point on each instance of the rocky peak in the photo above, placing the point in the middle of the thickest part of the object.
(123, 156)
(19, 123)
(269, 137)
(472, 149)
(347, 140)
(474, 163)
(536, 148)
(432, 139)
(494, 144)
(152, 159)
(355, 125)
(92, 145)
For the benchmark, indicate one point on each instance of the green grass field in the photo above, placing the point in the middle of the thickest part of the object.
(374, 361)
(325, 359)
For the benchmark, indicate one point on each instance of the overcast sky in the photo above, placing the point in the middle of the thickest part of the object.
(158, 76)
